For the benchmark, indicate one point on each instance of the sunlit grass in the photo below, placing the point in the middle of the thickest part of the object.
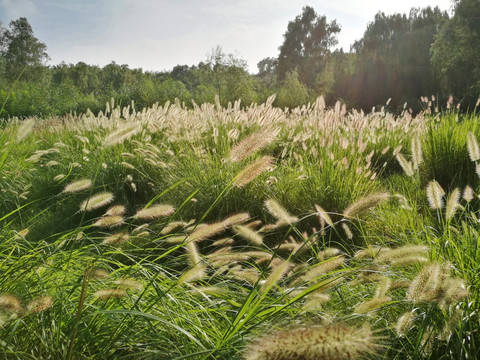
(171, 234)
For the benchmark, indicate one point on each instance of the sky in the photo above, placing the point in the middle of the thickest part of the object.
(157, 35)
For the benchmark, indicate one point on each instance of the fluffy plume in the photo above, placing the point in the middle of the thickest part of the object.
(109, 222)
(278, 272)
(323, 216)
(452, 204)
(10, 303)
(24, 129)
(77, 186)
(472, 147)
(116, 239)
(251, 144)
(154, 212)
(193, 254)
(251, 171)
(279, 212)
(435, 195)
(324, 342)
(97, 201)
(321, 269)
(106, 294)
(404, 323)
(129, 284)
(372, 304)
(468, 194)
(248, 234)
(397, 256)
(416, 152)
(39, 304)
(405, 164)
(196, 273)
(365, 203)
(123, 133)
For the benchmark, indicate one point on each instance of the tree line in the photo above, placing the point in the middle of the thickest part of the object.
(404, 57)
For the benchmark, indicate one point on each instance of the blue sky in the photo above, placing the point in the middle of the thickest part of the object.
(157, 35)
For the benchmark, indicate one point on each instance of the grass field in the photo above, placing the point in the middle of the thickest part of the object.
(240, 233)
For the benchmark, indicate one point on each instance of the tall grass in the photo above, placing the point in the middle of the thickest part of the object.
(195, 234)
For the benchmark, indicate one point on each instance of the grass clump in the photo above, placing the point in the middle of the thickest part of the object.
(200, 233)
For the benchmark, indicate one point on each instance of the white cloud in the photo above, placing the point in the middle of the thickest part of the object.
(14, 9)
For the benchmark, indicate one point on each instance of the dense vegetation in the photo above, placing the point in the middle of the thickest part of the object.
(227, 233)
(400, 56)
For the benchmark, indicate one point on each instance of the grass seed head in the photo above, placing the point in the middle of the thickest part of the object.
(97, 201)
(365, 203)
(279, 212)
(109, 222)
(116, 239)
(472, 147)
(106, 294)
(251, 171)
(154, 212)
(452, 204)
(435, 195)
(249, 234)
(323, 342)
(10, 303)
(77, 186)
(39, 304)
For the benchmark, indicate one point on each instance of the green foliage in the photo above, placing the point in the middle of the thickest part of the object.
(292, 93)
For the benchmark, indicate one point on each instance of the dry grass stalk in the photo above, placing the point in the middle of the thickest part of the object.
(452, 204)
(193, 255)
(279, 212)
(154, 212)
(275, 276)
(315, 301)
(24, 129)
(388, 256)
(405, 164)
(468, 194)
(195, 273)
(322, 342)
(365, 203)
(116, 210)
(248, 234)
(123, 133)
(328, 253)
(129, 284)
(404, 323)
(77, 186)
(251, 144)
(97, 201)
(435, 195)
(347, 230)
(321, 269)
(371, 305)
(251, 171)
(106, 294)
(10, 303)
(416, 152)
(323, 216)
(109, 222)
(39, 304)
(472, 147)
(116, 239)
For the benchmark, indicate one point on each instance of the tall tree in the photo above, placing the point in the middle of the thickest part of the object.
(456, 51)
(306, 47)
(22, 50)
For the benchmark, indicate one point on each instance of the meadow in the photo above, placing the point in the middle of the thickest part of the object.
(240, 233)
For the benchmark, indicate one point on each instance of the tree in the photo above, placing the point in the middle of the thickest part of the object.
(228, 74)
(456, 51)
(22, 50)
(306, 46)
(292, 93)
